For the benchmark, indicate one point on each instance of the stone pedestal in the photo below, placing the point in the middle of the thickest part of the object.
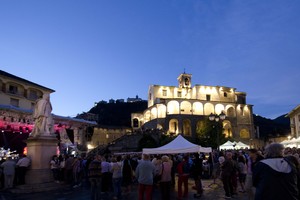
(40, 150)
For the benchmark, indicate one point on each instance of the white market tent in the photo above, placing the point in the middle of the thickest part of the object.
(178, 145)
(294, 142)
(227, 145)
(241, 145)
(233, 145)
(285, 142)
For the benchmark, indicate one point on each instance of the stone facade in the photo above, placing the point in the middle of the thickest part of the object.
(107, 134)
(180, 109)
(294, 116)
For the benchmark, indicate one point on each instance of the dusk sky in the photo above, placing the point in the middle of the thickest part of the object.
(94, 50)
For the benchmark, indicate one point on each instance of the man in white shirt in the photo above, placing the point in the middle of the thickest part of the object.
(106, 175)
(22, 166)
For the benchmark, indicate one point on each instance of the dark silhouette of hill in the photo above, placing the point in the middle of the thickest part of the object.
(117, 114)
(268, 127)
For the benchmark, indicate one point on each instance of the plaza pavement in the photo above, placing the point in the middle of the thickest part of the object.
(211, 192)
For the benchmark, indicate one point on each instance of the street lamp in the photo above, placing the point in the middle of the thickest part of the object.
(217, 118)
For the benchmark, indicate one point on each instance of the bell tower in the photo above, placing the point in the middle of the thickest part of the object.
(185, 80)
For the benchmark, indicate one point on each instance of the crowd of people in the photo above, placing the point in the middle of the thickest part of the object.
(270, 173)
(116, 174)
(13, 171)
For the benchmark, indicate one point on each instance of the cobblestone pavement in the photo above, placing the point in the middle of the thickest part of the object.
(211, 192)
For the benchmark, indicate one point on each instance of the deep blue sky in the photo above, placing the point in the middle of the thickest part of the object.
(95, 50)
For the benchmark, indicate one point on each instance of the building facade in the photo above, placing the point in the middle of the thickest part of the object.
(294, 116)
(17, 100)
(104, 135)
(180, 109)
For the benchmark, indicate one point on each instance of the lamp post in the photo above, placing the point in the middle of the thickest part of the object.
(217, 118)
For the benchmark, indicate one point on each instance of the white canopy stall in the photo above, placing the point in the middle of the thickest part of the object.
(294, 142)
(233, 145)
(178, 145)
(227, 145)
(241, 145)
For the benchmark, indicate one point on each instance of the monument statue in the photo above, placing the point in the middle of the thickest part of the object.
(41, 145)
(43, 121)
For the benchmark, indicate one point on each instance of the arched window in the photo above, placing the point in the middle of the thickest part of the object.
(153, 113)
(244, 133)
(161, 111)
(173, 126)
(173, 107)
(208, 108)
(187, 129)
(185, 107)
(136, 123)
(197, 108)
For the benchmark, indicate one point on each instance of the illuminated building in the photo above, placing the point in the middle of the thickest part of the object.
(107, 134)
(180, 109)
(294, 116)
(17, 100)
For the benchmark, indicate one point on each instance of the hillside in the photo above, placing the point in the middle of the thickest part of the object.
(267, 127)
(117, 114)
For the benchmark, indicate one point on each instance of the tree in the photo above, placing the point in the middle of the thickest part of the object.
(210, 133)
(147, 142)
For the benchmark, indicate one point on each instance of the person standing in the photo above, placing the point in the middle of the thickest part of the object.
(69, 169)
(94, 174)
(127, 175)
(106, 175)
(54, 166)
(157, 163)
(183, 170)
(227, 168)
(275, 177)
(166, 178)
(78, 169)
(144, 173)
(196, 173)
(254, 158)
(22, 166)
(116, 170)
(9, 172)
(242, 169)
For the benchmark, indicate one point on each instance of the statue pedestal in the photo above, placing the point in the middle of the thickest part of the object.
(40, 150)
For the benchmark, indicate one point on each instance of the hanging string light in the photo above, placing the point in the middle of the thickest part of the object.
(5, 153)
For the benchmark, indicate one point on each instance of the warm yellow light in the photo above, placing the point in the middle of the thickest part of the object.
(89, 146)
(208, 90)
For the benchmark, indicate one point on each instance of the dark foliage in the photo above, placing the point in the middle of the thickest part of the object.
(147, 142)
(209, 133)
(267, 127)
(117, 114)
